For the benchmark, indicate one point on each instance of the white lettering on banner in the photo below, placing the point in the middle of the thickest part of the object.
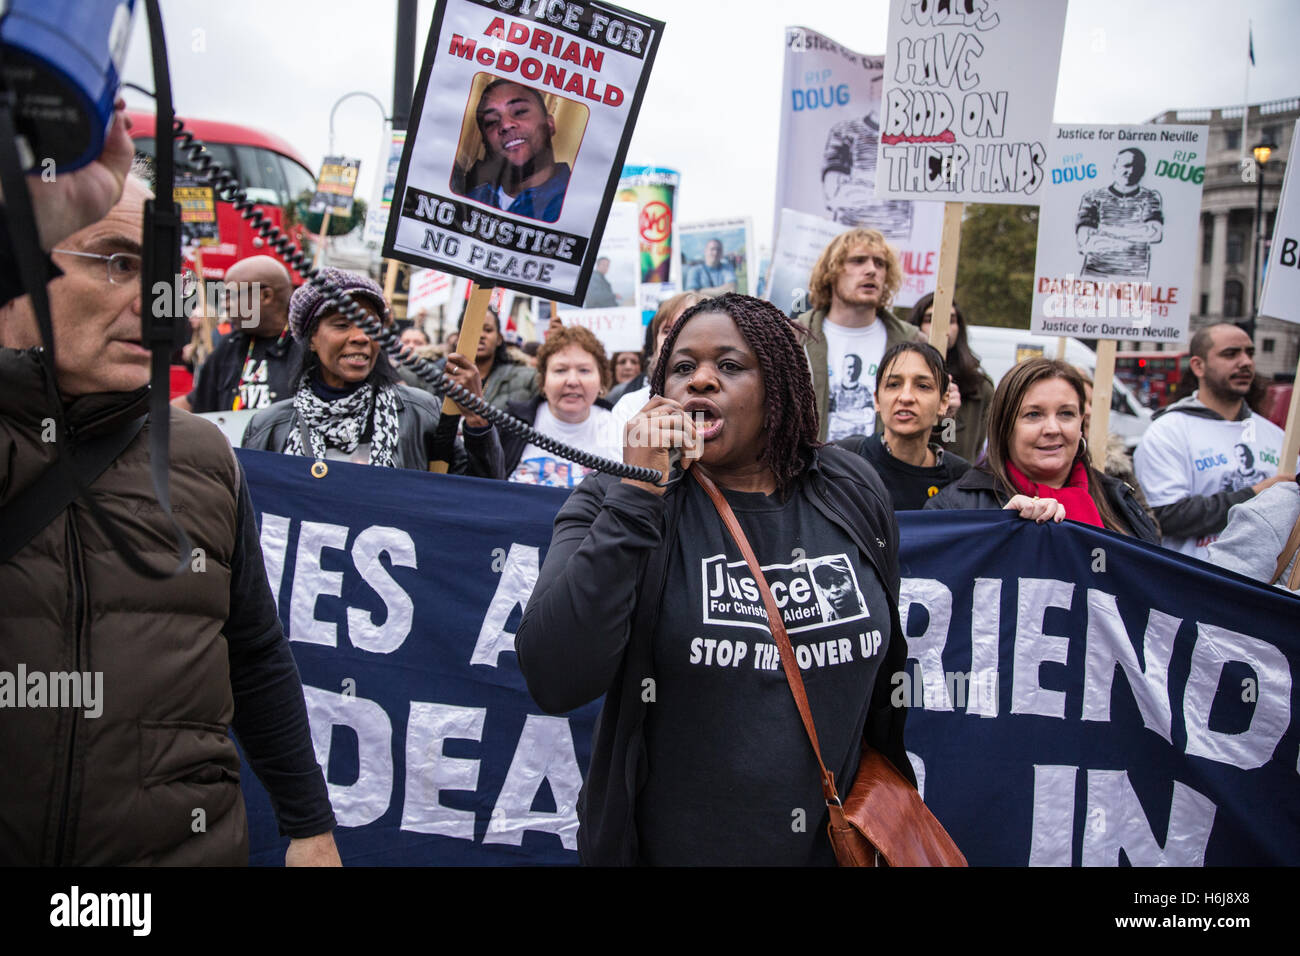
(1254, 746)
(1034, 647)
(1114, 820)
(918, 770)
(429, 771)
(310, 581)
(1123, 825)
(275, 545)
(985, 625)
(545, 754)
(363, 632)
(1052, 831)
(366, 800)
(927, 648)
(1109, 645)
(514, 588)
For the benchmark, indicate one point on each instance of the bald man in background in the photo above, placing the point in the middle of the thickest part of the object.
(251, 367)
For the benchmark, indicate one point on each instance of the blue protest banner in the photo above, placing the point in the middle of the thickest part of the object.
(1077, 698)
(400, 592)
(1120, 704)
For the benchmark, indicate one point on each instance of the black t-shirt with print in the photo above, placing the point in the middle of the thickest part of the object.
(256, 371)
(732, 777)
(911, 486)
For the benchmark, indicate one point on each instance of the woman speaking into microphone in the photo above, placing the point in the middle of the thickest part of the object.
(645, 597)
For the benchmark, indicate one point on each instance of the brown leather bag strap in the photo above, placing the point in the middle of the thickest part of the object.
(779, 635)
(1288, 552)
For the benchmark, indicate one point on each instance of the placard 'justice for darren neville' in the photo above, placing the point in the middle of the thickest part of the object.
(520, 125)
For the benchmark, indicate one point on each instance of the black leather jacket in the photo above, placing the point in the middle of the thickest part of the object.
(589, 626)
(424, 435)
(979, 489)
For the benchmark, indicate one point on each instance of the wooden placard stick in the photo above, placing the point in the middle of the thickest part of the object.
(1291, 442)
(471, 331)
(949, 246)
(1103, 381)
(324, 232)
(1060, 347)
(390, 279)
(203, 285)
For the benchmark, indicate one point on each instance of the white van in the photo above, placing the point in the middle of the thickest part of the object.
(998, 349)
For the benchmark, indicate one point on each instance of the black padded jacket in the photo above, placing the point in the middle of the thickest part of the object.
(979, 489)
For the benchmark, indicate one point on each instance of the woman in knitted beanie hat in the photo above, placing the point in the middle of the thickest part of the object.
(349, 403)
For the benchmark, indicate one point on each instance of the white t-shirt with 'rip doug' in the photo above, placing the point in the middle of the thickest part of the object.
(852, 357)
(1184, 455)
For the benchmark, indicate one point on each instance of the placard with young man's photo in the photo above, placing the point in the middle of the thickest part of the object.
(518, 133)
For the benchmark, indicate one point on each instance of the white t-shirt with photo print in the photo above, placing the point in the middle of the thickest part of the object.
(1183, 455)
(852, 357)
(598, 434)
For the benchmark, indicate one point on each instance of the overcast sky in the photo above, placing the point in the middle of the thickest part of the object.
(712, 107)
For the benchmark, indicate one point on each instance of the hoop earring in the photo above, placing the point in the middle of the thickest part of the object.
(1083, 449)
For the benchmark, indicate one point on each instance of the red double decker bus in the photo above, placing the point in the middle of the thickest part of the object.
(271, 171)
(1155, 377)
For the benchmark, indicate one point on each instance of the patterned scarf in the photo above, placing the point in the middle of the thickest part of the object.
(341, 423)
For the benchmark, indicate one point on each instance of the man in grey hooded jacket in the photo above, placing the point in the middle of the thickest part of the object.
(1190, 462)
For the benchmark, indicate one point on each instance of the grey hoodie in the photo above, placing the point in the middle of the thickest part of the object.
(1257, 531)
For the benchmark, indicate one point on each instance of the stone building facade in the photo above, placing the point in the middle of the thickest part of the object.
(1226, 247)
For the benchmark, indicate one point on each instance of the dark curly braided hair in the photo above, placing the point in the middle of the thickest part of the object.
(790, 416)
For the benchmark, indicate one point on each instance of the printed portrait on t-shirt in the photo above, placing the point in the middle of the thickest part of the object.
(837, 590)
(1245, 474)
(548, 472)
(850, 393)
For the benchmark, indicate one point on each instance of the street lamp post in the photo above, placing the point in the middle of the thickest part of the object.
(1262, 152)
(382, 111)
(333, 109)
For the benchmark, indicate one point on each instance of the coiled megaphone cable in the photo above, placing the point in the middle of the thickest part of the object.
(227, 188)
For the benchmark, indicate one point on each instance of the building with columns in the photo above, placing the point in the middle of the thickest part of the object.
(1226, 266)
